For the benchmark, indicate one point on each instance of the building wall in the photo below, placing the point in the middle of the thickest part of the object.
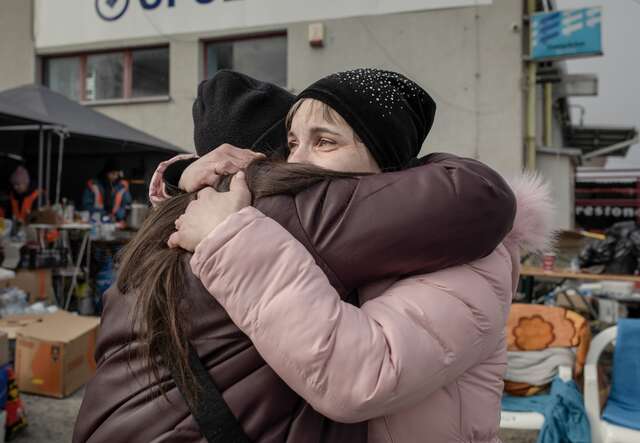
(559, 172)
(17, 63)
(469, 59)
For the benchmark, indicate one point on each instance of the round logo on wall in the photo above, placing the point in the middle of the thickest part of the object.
(111, 10)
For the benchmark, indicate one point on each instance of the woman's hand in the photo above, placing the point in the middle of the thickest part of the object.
(208, 211)
(226, 159)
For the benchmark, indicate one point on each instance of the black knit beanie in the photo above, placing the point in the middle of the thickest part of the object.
(237, 109)
(390, 113)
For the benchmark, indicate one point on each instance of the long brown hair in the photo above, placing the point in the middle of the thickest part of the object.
(155, 274)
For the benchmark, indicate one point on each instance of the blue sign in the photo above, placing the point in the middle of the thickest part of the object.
(564, 34)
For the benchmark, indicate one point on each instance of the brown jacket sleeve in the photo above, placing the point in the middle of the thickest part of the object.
(445, 212)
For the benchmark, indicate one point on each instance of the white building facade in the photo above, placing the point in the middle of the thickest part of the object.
(140, 61)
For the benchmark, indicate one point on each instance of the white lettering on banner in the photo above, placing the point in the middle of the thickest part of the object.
(607, 211)
(77, 22)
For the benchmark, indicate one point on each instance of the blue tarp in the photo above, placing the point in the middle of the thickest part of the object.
(623, 405)
(565, 419)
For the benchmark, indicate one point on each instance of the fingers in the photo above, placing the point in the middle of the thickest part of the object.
(228, 151)
(174, 240)
(205, 178)
(202, 194)
(178, 222)
(226, 159)
(210, 173)
(239, 187)
(225, 150)
(229, 166)
(239, 183)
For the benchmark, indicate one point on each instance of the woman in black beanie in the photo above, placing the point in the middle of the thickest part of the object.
(389, 114)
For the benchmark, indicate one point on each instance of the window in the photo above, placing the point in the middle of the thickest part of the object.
(150, 72)
(133, 73)
(62, 74)
(104, 78)
(264, 58)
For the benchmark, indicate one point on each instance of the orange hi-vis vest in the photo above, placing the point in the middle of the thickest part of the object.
(119, 196)
(98, 202)
(21, 212)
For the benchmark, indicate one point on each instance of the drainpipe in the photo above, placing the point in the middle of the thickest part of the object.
(548, 114)
(531, 100)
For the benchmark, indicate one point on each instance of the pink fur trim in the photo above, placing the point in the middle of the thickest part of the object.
(532, 229)
(157, 191)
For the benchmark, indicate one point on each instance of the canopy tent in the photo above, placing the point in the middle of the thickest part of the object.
(32, 115)
(10, 116)
(37, 103)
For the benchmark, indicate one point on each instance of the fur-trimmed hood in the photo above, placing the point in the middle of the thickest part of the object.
(533, 225)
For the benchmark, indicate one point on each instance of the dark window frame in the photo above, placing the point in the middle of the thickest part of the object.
(127, 75)
(236, 38)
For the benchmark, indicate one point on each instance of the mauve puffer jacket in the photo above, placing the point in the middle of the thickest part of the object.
(120, 403)
(332, 220)
(424, 357)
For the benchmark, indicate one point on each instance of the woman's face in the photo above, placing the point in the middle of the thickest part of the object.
(21, 187)
(329, 143)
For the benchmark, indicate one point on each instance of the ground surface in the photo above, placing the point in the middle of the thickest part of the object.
(51, 421)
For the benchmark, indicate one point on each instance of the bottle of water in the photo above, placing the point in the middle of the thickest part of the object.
(95, 232)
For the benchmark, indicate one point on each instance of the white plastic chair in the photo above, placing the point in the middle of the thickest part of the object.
(602, 431)
(530, 420)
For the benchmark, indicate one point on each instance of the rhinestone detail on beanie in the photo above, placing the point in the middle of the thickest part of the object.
(384, 88)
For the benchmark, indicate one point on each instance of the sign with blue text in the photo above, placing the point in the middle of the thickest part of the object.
(566, 34)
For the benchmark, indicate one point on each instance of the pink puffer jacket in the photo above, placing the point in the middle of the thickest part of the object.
(423, 358)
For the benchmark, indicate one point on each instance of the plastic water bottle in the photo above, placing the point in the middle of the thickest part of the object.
(95, 226)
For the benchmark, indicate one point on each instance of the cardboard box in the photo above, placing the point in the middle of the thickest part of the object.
(55, 356)
(11, 324)
(36, 283)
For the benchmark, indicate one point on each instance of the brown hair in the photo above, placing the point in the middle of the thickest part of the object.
(154, 273)
(328, 113)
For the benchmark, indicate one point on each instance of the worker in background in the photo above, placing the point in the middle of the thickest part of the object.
(23, 196)
(108, 194)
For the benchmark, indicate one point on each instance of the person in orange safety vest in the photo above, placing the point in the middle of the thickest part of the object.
(108, 194)
(23, 196)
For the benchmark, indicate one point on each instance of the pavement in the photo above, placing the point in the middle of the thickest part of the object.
(51, 420)
(513, 436)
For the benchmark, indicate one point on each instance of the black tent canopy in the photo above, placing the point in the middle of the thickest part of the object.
(37, 103)
(34, 114)
(10, 115)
